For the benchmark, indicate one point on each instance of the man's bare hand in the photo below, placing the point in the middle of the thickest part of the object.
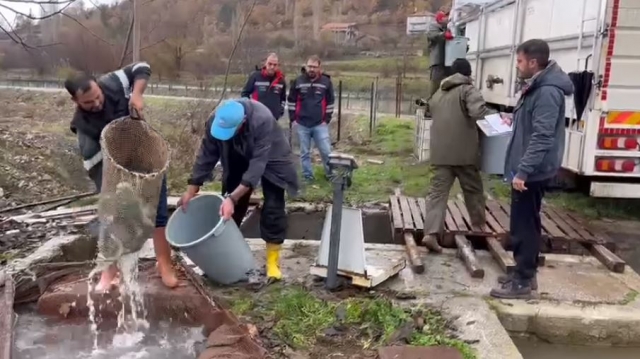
(507, 118)
(518, 184)
(136, 104)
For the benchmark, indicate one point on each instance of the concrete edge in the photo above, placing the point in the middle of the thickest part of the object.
(476, 322)
(564, 323)
(7, 316)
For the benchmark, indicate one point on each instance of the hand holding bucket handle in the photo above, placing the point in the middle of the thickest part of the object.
(227, 207)
(191, 192)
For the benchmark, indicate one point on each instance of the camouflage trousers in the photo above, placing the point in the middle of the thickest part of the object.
(441, 183)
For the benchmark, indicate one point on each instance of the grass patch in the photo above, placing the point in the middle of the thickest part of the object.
(579, 203)
(300, 318)
(391, 142)
(630, 297)
(596, 208)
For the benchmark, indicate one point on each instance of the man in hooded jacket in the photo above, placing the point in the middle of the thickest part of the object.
(533, 158)
(455, 108)
(252, 150)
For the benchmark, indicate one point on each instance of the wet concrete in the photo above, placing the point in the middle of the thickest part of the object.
(66, 298)
(580, 300)
(626, 236)
(43, 337)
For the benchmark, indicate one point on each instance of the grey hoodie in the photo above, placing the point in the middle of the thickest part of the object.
(537, 142)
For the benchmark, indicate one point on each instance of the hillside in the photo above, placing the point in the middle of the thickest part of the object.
(196, 36)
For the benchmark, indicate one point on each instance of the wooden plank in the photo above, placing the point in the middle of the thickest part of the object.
(500, 215)
(495, 227)
(416, 213)
(422, 203)
(460, 225)
(467, 218)
(504, 259)
(606, 257)
(569, 232)
(506, 207)
(396, 215)
(413, 254)
(450, 224)
(465, 252)
(550, 227)
(407, 219)
(382, 274)
(580, 230)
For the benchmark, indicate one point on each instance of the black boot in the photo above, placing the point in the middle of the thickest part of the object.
(506, 278)
(515, 289)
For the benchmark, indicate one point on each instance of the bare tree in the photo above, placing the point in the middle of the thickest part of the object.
(317, 13)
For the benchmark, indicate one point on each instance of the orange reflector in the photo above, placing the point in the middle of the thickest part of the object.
(618, 143)
(605, 165)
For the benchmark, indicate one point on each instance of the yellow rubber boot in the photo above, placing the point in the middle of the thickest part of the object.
(273, 261)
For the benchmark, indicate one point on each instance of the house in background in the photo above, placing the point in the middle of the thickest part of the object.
(343, 33)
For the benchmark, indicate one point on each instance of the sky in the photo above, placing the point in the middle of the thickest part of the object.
(35, 8)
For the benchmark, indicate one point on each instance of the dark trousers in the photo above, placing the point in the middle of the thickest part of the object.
(526, 228)
(273, 217)
(441, 183)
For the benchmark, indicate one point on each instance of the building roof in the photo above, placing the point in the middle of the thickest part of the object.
(338, 25)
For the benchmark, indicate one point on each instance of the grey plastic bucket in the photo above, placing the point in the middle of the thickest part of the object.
(216, 246)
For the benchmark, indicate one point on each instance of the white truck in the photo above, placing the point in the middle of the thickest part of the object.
(598, 40)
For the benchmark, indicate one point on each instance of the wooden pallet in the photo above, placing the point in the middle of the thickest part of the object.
(407, 215)
(562, 231)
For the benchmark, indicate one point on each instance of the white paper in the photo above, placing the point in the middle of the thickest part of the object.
(495, 120)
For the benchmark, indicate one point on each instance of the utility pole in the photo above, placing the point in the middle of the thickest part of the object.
(136, 30)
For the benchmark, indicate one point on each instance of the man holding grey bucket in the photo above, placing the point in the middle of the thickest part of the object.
(252, 149)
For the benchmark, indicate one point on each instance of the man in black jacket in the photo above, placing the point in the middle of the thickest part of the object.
(253, 150)
(268, 86)
(100, 101)
(311, 101)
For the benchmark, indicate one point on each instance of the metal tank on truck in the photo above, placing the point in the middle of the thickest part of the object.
(598, 48)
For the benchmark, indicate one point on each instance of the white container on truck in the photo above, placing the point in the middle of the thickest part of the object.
(597, 40)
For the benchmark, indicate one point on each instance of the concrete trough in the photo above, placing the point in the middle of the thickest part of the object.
(65, 298)
(307, 225)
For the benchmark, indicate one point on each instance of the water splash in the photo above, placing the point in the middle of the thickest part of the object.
(40, 337)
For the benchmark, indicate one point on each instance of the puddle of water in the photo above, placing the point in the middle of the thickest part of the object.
(46, 338)
(535, 349)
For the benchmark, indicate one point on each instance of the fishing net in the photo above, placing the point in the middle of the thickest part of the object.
(135, 159)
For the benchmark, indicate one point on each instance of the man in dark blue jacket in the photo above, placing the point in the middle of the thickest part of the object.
(100, 101)
(533, 157)
(311, 101)
(268, 86)
(253, 150)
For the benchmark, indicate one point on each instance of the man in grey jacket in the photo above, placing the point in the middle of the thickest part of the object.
(252, 149)
(533, 158)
